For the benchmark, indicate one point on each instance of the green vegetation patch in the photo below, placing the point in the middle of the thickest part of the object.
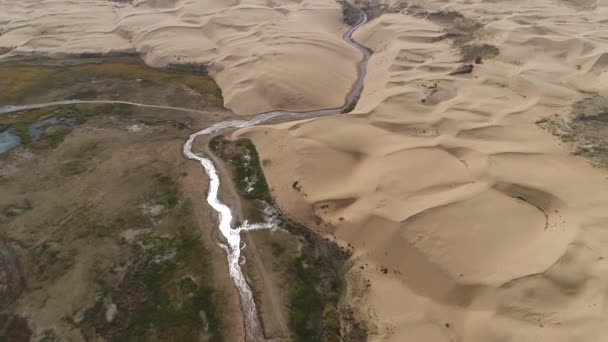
(243, 159)
(316, 288)
(306, 302)
(166, 190)
(331, 324)
(179, 307)
(311, 274)
(23, 133)
(165, 296)
(53, 136)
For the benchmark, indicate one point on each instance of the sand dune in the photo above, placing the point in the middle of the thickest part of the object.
(471, 223)
(265, 55)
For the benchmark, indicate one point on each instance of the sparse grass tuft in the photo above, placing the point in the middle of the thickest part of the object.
(472, 52)
(277, 249)
(53, 137)
(167, 190)
(73, 168)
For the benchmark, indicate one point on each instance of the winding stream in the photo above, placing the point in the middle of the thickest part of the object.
(232, 236)
(253, 330)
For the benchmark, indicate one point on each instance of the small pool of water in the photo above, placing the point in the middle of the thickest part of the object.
(8, 140)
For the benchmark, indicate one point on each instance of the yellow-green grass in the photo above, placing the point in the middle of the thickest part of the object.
(18, 81)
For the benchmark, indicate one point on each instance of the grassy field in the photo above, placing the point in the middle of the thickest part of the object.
(24, 83)
(164, 290)
(167, 292)
(98, 212)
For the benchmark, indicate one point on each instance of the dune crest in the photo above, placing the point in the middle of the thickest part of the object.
(469, 221)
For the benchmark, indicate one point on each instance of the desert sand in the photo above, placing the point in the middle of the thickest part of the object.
(468, 221)
(265, 55)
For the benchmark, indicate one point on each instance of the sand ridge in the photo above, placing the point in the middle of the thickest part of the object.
(469, 221)
(258, 51)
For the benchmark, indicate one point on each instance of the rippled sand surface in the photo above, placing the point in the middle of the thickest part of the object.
(470, 221)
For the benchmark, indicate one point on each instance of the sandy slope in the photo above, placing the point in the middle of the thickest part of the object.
(264, 54)
(489, 230)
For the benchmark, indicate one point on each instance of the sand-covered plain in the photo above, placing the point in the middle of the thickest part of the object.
(468, 221)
